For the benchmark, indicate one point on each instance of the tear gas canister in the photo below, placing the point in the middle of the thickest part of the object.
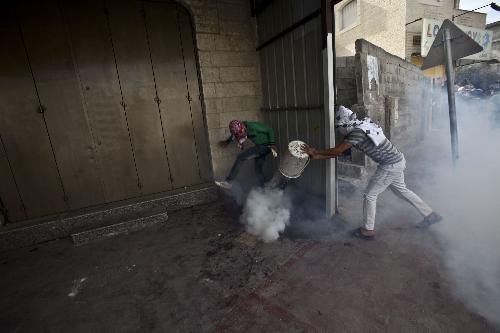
(294, 160)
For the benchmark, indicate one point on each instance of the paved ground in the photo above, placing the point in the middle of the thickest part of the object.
(201, 273)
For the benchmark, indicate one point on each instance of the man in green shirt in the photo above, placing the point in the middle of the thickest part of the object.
(262, 137)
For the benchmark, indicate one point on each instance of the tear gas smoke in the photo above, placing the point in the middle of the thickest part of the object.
(266, 213)
(467, 196)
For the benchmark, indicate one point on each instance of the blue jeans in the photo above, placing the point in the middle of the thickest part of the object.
(257, 152)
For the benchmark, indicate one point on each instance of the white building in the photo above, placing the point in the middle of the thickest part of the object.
(395, 25)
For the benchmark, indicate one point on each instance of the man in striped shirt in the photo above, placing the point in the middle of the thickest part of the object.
(368, 137)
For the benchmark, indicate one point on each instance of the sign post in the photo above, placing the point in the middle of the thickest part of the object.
(450, 81)
(450, 44)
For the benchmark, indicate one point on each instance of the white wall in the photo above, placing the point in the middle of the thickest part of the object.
(381, 22)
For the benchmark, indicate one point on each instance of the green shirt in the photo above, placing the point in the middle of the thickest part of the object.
(258, 133)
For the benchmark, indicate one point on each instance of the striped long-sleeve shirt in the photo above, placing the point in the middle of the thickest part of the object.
(384, 153)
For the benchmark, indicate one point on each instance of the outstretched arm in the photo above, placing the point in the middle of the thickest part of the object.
(315, 154)
(226, 142)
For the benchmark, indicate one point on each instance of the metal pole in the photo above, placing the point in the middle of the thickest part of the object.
(332, 9)
(329, 104)
(450, 80)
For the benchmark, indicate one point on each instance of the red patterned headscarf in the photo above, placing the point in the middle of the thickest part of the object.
(239, 131)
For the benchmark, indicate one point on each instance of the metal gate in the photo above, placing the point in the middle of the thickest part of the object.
(99, 101)
(292, 77)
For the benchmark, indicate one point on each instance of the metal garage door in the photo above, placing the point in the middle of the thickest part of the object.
(99, 102)
(292, 75)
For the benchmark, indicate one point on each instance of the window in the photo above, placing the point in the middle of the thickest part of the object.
(417, 40)
(349, 15)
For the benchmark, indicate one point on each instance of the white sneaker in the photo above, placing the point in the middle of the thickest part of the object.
(224, 184)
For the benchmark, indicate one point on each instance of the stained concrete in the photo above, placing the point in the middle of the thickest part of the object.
(113, 230)
(113, 218)
(200, 272)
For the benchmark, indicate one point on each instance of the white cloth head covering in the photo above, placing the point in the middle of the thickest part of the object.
(348, 121)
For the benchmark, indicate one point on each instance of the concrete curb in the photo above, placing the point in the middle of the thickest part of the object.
(121, 214)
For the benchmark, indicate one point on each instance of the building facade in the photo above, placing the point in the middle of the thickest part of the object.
(381, 22)
(495, 47)
(395, 26)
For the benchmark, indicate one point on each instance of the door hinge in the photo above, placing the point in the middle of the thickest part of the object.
(157, 100)
(41, 109)
(188, 97)
(123, 104)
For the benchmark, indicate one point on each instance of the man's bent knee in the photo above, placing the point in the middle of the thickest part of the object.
(370, 196)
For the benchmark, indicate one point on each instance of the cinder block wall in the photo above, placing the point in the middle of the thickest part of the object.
(398, 98)
(345, 80)
(229, 64)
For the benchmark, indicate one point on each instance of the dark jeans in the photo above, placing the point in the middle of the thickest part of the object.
(257, 152)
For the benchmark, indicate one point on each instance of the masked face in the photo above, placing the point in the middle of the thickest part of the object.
(345, 119)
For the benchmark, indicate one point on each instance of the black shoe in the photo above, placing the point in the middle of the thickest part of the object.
(358, 233)
(429, 220)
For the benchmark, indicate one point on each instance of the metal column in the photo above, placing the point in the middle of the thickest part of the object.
(329, 103)
(450, 81)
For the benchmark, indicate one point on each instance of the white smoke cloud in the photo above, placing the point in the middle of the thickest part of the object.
(468, 197)
(266, 213)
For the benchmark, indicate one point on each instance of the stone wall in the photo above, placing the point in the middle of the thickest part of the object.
(229, 64)
(395, 94)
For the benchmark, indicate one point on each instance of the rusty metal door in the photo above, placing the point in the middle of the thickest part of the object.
(100, 102)
(131, 44)
(175, 98)
(9, 194)
(194, 94)
(32, 174)
(94, 59)
(59, 92)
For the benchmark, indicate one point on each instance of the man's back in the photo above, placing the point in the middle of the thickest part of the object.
(384, 153)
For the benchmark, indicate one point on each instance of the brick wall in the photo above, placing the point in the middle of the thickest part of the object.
(229, 64)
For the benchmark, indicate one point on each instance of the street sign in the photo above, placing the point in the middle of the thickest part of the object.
(461, 46)
(450, 44)
(430, 28)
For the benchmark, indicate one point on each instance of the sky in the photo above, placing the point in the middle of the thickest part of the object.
(492, 16)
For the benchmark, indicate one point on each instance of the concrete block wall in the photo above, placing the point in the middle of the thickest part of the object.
(401, 99)
(345, 80)
(230, 72)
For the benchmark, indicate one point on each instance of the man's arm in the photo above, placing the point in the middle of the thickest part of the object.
(226, 142)
(270, 135)
(338, 150)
